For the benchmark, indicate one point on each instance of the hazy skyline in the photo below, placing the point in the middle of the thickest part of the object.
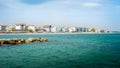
(104, 14)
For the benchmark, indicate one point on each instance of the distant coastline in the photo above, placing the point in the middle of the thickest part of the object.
(58, 33)
(26, 28)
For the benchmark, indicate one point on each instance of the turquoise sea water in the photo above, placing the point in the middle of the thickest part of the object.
(63, 51)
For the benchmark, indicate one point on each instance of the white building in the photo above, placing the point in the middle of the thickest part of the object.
(98, 30)
(54, 29)
(72, 29)
(59, 29)
(47, 28)
(2, 27)
(83, 29)
(9, 28)
(31, 28)
(19, 27)
(65, 29)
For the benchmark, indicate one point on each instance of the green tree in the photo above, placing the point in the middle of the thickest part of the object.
(92, 30)
(36, 30)
(30, 30)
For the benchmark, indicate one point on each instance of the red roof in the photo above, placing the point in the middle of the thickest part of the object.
(47, 26)
(20, 24)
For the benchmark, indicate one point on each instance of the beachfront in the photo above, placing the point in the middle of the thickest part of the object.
(23, 28)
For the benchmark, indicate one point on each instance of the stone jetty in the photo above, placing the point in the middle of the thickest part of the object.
(16, 41)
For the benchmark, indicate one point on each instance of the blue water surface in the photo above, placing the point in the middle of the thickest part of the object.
(63, 51)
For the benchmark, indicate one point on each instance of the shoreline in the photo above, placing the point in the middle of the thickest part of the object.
(53, 33)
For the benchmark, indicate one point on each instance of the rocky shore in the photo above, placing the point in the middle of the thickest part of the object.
(16, 41)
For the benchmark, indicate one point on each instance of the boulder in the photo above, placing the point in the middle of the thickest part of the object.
(16, 41)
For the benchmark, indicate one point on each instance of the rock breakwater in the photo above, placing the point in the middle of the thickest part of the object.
(16, 41)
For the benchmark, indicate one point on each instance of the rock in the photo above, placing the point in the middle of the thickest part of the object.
(1, 42)
(22, 41)
(16, 41)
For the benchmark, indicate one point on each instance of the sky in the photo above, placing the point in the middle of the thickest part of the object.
(103, 14)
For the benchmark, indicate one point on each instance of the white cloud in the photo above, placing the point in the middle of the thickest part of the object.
(91, 4)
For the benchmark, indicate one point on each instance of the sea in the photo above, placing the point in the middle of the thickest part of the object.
(62, 51)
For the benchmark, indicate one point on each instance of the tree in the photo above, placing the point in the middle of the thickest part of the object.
(36, 30)
(92, 30)
(30, 30)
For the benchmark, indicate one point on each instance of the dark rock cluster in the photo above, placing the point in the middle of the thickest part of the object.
(16, 41)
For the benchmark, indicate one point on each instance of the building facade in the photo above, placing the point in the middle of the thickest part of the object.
(3, 27)
(19, 27)
(31, 28)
